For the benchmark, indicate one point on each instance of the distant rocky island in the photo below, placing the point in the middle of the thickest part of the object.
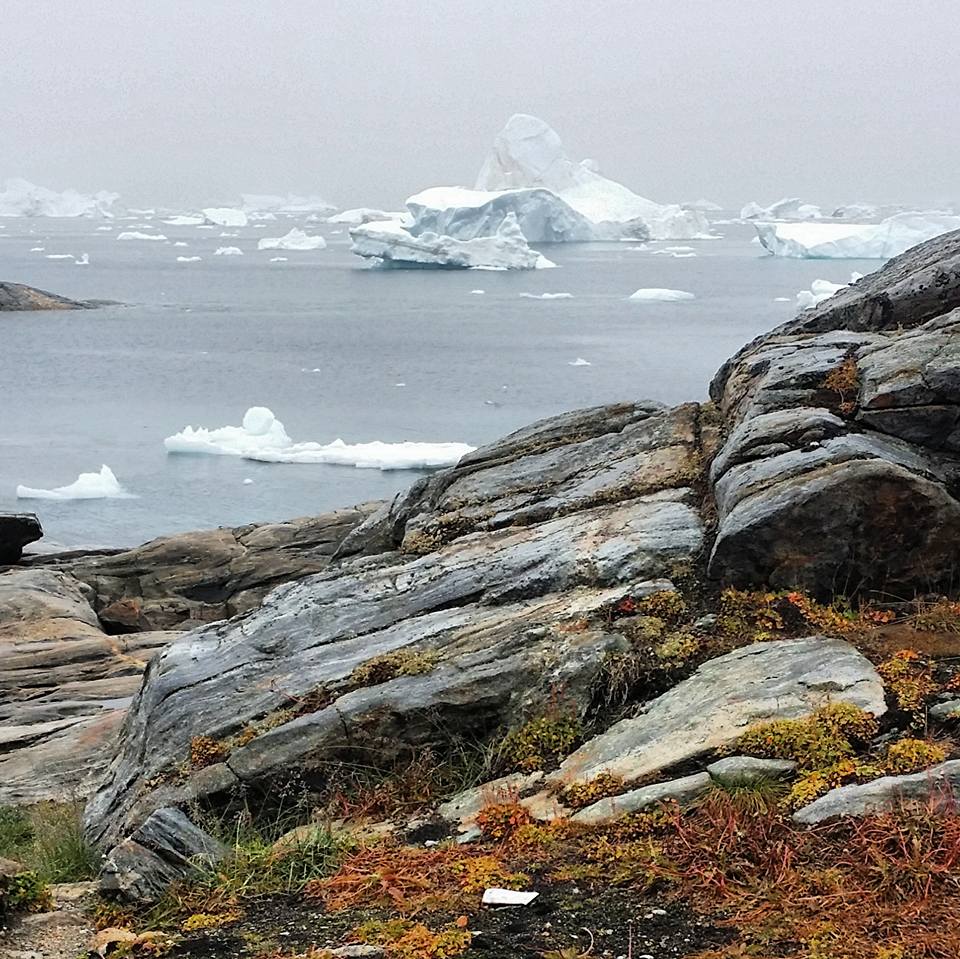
(624, 658)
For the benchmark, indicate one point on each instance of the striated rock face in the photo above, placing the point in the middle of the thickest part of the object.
(16, 531)
(16, 296)
(841, 467)
(494, 615)
(65, 682)
(785, 679)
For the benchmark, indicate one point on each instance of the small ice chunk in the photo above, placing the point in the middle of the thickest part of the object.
(781, 299)
(228, 251)
(821, 290)
(655, 295)
(547, 296)
(495, 896)
(102, 485)
(247, 481)
(294, 240)
(477, 292)
(137, 235)
(181, 243)
(37, 249)
(84, 259)
(105, 229)
(279, 259)
(223, 216)
(188, 259)
(579, 361)
(60, 256)
(230, 235)
(184, 221)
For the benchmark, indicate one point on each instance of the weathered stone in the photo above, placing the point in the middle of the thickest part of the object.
(463, 808)
(165, 848)
(862, 799)
(16, 531)
(782, 679)
(9, 867)
(749, 770)
(943, 712)
(681, 791)
(16, 296)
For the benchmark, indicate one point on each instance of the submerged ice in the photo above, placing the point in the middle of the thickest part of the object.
(262, 437)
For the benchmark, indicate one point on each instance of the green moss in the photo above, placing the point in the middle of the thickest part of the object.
(401, 662)
(540, 743)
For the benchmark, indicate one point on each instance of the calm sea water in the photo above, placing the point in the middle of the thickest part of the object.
(198, 343)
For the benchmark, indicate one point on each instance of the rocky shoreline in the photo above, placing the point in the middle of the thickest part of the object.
(511, 588)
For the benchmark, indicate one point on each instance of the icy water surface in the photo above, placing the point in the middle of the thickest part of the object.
(325, 343)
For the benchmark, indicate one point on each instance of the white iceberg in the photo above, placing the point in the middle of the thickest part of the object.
(790, 208)
(223, 216)
(102, 485)
(137, 235)
(821, 290)
(188, 259)
(656, 295)
(579, 361)
(390, 244)
(60, 256)
(868, 241)
(289, 205)
(547, 296)
(262, 437)
(362, 214)
(466, 214)
(22, 198)
(528, 154)
(184, 220)
(294, 240)
(228, 251)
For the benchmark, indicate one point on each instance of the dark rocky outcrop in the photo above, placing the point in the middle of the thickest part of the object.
(16, 531)
(17, 296)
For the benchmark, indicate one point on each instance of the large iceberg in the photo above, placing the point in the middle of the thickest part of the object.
(391, 244)
(22, 198)
(466, 214)
(262, 437)
(294, 240)
(102, 485)
(868, 241)
(224, 216)
(528, 154)
(790, 208)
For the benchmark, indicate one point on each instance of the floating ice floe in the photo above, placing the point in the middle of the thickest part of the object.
(477, 292)
(290, 205)
(137, 235)
(223, 216)
(262, 437)
(181, 243)
(228, 251)
(294, 240)
(84, 259)
(529, 154)
(547, 296)
(656, 295)
(184, 220)
(821, 290)
(790, 208)
(105, 229)
(60, 256)
(362, 214)
(102, 485)
(247, 481)
(37, 249)
(879, 241)
(189, 259)
(676, 251)
(579, 361)
(229, 236)
(390, 244)
(279, 259)
(22, 198)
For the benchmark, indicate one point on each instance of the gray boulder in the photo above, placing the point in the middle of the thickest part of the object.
(749, 770)
(682, 791)
(862, 799)
(16, 531)
(782, 679)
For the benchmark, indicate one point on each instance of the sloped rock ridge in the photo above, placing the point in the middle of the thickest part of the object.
(827, 459)
(15, 297)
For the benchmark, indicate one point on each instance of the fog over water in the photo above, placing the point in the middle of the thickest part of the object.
(186, 102)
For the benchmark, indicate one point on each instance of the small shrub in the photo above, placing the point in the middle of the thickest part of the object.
(913, 755)
(206, 751)
(844, 380)
(24, 892)
(401, 662)
(748, 614)
(542, 742)
(677, 648)
(405, 939)
(666, 604)
(910, 681)
(813, 784)
(501, 820)
(581, 794)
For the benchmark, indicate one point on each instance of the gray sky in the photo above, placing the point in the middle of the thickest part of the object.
(367, 101)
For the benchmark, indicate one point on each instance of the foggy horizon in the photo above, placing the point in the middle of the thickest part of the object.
(193, 105)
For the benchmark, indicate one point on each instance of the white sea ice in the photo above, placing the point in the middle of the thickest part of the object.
(678, 252)
(229, 236)
(228, 251)
(22, 198)
(223, 216)
(60, 256)
(189, 259)
(477, 292)
(184, 220)
(294, 240)
(821, 290)
(547, 296)
(881, 241)
(136, 235)
(262, 437)
(247, 481)
(84, 259)
(105, 229)
(390, 244)
(790, 208)
(579, 361)
(264, 204)
(102, 485)
(37, 249)
(655, 295)
(528, 153)
(279, 259)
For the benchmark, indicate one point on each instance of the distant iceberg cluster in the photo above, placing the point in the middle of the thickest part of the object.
(22, 198)
(262, 437)
(867, 241)
(529, 186)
